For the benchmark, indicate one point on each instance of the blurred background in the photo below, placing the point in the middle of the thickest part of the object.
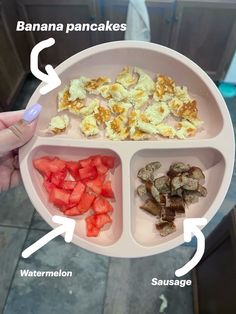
(204, 31)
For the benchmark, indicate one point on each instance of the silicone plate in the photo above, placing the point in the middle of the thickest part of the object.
(133, 234)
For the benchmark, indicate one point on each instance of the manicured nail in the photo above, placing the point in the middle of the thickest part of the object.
(32, 113)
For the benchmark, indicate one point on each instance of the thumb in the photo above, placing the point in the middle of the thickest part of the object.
(21, 132)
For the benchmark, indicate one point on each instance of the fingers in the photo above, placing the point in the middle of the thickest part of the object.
(9, 178)
(16, 136)
(9, 118)
(9, 172)
(5, 181)
(21, 132)
(15, 178)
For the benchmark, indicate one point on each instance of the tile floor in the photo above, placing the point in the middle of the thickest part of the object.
(99, 284)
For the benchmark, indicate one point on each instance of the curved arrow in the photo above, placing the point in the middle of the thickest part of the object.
(51, 78)
(67, 227)
(190, 227)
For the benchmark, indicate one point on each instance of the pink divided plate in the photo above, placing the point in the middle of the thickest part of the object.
(132, 233)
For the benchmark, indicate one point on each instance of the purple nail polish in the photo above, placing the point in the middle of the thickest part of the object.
(32, 113)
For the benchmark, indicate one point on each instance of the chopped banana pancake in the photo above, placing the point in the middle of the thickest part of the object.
(132, 107)
(77, 89)
(89, 125)
(65, 104)
(92, 86)
(59, 124)
(164, 88)
(126, 77)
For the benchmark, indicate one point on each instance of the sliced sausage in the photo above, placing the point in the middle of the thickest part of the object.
(148, 185)
(177, 204)
(153, 166)
(154, 175)
(155, 193)
(202, 190)
(178, 182)
(196, 173)
(167, 214)
(179, 167)
(152, 207)
(190, 184)
(162, 184)
(190, 197)
(141, 190)
(144, 174)
(165, 228)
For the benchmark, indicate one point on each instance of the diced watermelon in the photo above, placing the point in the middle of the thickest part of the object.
(43, 166)
(93, 231)
(72, 165)
(84, 163)
(97, 162)
(58, 178)
(47, 166)
(72, 211)
(108, 161)
(59, 197)
(102, 220)
(68, 185)
(57, 165)
(107, 190)
(73, 168)
(95, 222)
(88, 173)
(71, 197)
(101, 205)
(48, 185)
(91, 220)
(85, 202)
(101, 169)
(77, 192)
(63, 208)
(96, 184)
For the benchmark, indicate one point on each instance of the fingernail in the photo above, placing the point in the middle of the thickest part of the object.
(32, 113)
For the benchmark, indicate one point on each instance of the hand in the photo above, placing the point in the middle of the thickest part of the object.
(16, 128)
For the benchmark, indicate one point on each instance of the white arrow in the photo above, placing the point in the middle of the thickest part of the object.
(190, 228)
(67, 227)
(51, 78)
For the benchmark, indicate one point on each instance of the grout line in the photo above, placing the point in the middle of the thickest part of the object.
(106, 281)
(25, 228)
(35, 228)
(14, 226)
(17, 263)
(20, 227)
(39, 229)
